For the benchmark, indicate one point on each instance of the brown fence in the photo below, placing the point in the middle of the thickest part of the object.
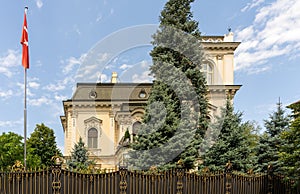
(178, 181)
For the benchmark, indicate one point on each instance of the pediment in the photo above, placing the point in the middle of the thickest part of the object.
(93, 120)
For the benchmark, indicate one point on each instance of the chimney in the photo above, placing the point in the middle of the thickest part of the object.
(228, 37)
(114, 77)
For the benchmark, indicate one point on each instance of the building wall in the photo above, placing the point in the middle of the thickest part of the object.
(116, 106)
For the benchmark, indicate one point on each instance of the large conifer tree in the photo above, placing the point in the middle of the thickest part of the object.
(270, 142)
(233, 145)
(290, 152)
(175, 118)
(79, 157)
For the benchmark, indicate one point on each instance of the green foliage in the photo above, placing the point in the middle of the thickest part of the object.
(235, 143)
(127, 135)
(79, 157)
(178, 13)
(33, 160)
(290, 152)
(175, 118)
(270, 142)
(11, 149)
(41, 147)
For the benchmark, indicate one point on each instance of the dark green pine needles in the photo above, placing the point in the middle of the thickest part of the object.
(176, 115)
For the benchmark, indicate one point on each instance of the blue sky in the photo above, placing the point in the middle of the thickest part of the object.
(61, 33)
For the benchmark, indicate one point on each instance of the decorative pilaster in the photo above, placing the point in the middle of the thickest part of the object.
(123, 180)
(18, 169)
(228, 178)
(270, 179)
(56, 174)
(179, 175)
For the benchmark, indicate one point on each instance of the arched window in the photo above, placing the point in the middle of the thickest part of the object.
(92, 138)
(136, 127)
(208, 72)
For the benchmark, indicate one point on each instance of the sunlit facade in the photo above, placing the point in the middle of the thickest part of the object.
(100, 113)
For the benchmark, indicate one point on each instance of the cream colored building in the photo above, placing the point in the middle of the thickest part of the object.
(100, 113)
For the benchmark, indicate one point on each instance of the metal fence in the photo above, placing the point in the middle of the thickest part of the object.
(178, 181)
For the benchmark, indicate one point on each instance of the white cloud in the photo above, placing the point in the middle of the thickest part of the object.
(72, 62)
(40, 101)
(33, 85)
(6, 94)
(9, 61)
(60, 84)
(259, 70)
(39, 3)
(92, 64)
(86, 72)
(142, 78)
(4, 124)
(60, 97)
(246, 32)
(146, 64)
(101, 57)
(125, 66)
(54, 87)
(254, 3)
(273, 33)
(21, 90)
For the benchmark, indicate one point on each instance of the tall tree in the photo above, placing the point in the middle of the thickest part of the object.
(42, 147)
(233, 145)
(270, 142)
(11, 149)
(175, 118)
(290, 151)
(79, 157)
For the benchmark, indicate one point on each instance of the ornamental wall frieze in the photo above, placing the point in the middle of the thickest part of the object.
(91, 105)
(73, 113)
(212, 39)
(230, 92)
(124, 119)
(222, 46)
(221, 92)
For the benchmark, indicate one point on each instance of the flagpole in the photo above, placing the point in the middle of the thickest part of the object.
(25, 63)
(25, 115)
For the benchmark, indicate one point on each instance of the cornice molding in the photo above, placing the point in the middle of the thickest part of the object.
(224, 46)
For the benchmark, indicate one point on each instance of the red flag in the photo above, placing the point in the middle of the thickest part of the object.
(24, 42)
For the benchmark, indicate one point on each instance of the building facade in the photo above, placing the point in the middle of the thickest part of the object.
(100, 113)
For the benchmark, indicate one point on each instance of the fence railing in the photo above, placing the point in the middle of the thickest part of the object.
(178, 181)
